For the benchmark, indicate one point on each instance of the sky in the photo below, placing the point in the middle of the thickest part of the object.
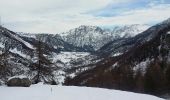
(56, 16)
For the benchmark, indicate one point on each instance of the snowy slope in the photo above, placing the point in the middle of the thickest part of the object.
(18, 38)
(70, 64)
(23, 55)
(48, 92)
(66, 57)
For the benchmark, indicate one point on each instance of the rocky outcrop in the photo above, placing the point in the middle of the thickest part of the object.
(21, 82)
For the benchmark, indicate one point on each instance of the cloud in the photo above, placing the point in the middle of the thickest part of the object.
(19, 14)
(149, 15)
(56, 16)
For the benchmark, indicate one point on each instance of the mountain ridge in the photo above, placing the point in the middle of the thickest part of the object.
(143, 68)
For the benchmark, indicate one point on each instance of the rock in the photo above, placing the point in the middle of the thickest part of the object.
(21, 82)
(1, 82)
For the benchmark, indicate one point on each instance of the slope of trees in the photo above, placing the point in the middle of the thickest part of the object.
(154, 82)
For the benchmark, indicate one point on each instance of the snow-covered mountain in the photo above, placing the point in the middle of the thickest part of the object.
(129, 30)
(23, 54)
(53, 40)
(87, 38)
(141, 63)
(96, 37)
(19, 53)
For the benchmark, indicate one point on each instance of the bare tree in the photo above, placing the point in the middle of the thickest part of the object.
(43, 65)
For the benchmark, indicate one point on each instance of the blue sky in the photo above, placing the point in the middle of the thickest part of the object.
(116, 9)
(112, 10)
(55, 16)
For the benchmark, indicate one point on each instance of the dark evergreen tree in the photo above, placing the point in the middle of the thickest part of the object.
(4, 65)
(126, 78)
(139, 81)
(167, 75)
(154, 79)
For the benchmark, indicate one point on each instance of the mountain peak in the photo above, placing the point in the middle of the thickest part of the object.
(87, 26)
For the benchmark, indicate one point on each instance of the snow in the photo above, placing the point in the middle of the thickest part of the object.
(97, 37)
(29, 35)
(20, 76)
(60, 79)
(168, 32)
(21, 40)
(66, 57)
(142, 66)
(51, 92)
(114, 65)
(117, 54)
(139, 29)
(19, 53)
(59, 76)
(67, 60)
(72, 75)
(87, 35)
(1, 45)
(130, 30)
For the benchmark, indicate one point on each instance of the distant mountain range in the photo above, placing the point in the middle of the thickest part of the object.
(92, 38)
